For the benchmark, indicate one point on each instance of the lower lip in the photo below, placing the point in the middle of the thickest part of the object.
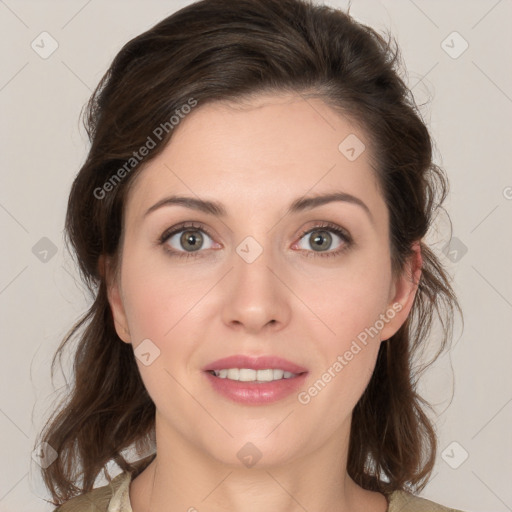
(256, 393)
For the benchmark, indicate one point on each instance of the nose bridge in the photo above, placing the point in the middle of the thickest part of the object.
(256, 297)
(253, 261)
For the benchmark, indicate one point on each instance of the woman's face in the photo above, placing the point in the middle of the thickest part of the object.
(249, 282)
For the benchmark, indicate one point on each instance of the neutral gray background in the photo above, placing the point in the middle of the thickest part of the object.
(467, 104)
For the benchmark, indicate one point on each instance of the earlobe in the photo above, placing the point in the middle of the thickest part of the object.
(114, 299)
(404, 293)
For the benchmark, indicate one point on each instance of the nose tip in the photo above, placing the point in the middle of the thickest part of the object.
(254, 296)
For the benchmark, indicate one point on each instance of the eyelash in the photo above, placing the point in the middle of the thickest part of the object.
(333, 228)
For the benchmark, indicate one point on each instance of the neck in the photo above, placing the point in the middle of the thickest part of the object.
(183, 478)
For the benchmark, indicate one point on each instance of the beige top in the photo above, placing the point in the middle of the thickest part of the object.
(115, 497)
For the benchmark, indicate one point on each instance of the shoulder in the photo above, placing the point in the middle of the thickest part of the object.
(403, 501)
(97, 499)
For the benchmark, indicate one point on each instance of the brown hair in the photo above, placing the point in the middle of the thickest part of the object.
(222, 50)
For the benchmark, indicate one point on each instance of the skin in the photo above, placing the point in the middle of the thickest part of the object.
(256, 159)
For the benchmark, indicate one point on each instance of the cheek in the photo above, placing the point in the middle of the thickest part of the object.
(346, 351)
(346, 329)
(156, 301)
(158, 309)
(349, 301)
(163, 307)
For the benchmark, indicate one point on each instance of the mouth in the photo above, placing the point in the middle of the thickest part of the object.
(255, 381)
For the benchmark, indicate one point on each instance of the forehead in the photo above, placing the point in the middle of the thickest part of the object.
(261, 153)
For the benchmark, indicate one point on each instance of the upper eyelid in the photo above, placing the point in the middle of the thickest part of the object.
(327, 227)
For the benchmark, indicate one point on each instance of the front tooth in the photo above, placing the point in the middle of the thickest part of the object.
(265, 375)
(278, 374)
(247, 374)
(233, 373)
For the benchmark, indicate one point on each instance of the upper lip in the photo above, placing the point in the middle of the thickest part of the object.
(255, 363)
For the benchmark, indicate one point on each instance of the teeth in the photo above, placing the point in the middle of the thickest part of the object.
(250, 375)
(233, 374)
(246, 375)
(265, 375)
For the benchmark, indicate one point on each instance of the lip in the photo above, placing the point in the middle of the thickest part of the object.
(255, 363)
(255, 393)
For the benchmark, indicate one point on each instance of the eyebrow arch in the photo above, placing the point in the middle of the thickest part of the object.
(299, 205)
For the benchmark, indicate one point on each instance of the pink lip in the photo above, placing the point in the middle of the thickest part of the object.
(255, 363)
(255, 393)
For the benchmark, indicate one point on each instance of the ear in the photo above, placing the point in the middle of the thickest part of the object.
(114, 296)
(403, 292)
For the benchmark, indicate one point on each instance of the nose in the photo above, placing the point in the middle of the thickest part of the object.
(255, 297)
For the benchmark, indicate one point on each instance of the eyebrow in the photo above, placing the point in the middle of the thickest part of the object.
(299, 205)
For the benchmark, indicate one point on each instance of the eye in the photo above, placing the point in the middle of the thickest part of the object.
(320, 239)
(185, 240)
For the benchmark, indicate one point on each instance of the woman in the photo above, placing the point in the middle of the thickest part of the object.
(251, 219)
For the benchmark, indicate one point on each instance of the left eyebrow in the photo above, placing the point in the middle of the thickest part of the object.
(307, 203)
(299, 205)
